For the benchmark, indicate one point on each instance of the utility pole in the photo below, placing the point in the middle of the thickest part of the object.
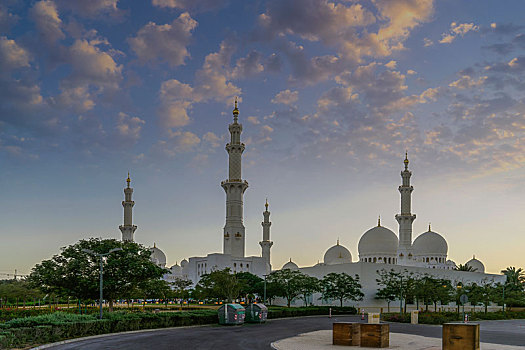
(101, 256)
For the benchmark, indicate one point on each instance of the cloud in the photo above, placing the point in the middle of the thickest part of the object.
(47, 21)
(467, 82)
(129, 127)
(165, 42)
(212, 82)
(91, 65)
(90, 8)
(7, 19)
(201, 5)
(286, 97)
(248, 66)
(212, 139)
(457, 30)
(427, 42)
(354, 30)
(392, 64)
(253, 120)
(12, 56)
(179, 142)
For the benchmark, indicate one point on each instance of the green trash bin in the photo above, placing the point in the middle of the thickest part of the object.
(256, 313)
(231, 314)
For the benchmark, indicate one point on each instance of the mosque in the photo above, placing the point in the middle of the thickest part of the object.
(379, 247)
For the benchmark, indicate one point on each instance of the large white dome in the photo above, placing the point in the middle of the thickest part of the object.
(337, 255)
(476, 265)
(290, 265)
(378, 241)
(157, 256)
(429, 244)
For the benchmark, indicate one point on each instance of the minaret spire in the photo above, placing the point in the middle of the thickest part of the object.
(128, 229)
(234, 186)
(406, 218)
(266, 244)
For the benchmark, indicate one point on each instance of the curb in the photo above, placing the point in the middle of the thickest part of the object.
(75, 340)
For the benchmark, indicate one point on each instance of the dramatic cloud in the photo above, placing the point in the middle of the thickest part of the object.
(90, 8)
(286, 97)
(91, 65)
(190, 4)
(467, 82)
(165, 42)
(248, 66)
(354, 30)
(12, 55)
(129, 127)
(457, 30)
(47, 21)
(212, 82)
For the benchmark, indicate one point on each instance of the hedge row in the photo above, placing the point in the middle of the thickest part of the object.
(444, 317)
(278, 312)
(58, 326)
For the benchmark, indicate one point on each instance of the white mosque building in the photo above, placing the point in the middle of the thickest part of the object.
(379, 247)
(234, 236)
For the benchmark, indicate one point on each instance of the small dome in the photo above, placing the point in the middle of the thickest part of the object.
(183, 263)
(176, 270)
(378, 240)
(337, 255)
(476, 265)
(430, 243)
(451, 263)
(290, 265)
(158, 256)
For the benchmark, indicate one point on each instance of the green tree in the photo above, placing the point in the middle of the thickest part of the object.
(515, 278)
(387, 294)
(154, 289)
(18, 290)
(250, 284)
(398, 284)
(308, 285)
(286, 283)
(75, 273)
(219, 284)
(341, 286)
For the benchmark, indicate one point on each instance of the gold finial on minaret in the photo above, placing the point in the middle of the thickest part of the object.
(406, 160)
(379, 221)
(337, 240)
(235, 110)
(266, 204)
(154, 245)
(128, 180)
(429, 227)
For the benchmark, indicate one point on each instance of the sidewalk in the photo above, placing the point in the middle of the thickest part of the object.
(322, 340)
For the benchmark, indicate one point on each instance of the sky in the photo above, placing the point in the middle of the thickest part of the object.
(331, 95)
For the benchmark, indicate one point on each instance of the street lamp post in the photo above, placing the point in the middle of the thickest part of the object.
(264, 296)
(503, 298)
(101, 256)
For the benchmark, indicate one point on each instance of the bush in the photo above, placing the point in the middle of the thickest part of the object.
(58, 326)
(278, 312)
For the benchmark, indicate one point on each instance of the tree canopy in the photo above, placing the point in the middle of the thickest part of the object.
(76, 273)
(341, 286)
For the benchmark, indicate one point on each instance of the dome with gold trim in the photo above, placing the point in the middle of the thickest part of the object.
(337, 254)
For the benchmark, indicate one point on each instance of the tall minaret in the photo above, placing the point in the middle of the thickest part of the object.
(406, 218)
(234, 188)
(128, 229)
(266, 244)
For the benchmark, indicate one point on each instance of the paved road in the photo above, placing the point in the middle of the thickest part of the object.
(256, 337)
